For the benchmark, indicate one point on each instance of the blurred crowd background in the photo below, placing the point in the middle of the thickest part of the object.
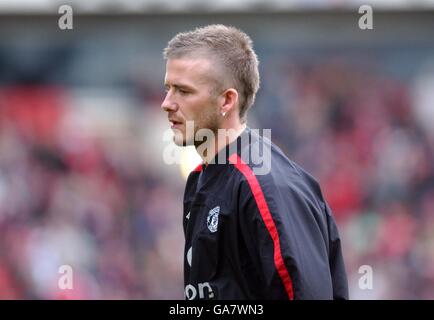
(82, 177)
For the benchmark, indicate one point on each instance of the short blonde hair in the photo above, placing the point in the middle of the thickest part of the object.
(232, 48)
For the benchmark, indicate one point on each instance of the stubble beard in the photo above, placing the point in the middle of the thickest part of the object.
(210, 121)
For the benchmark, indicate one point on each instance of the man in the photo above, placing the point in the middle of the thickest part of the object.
(247, 235)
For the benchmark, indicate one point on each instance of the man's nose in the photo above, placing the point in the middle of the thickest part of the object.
(168, 104)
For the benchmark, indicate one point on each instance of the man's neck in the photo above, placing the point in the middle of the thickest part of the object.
(221, 141)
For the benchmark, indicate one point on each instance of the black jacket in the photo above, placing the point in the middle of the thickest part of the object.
(256, 235)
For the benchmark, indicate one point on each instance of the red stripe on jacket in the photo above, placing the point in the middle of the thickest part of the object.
(268, 220)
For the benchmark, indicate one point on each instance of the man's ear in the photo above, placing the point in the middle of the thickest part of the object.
(229, 101)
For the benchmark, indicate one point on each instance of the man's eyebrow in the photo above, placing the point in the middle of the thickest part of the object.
(179, 86)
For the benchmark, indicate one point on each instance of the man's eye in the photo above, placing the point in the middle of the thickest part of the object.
(183, 91)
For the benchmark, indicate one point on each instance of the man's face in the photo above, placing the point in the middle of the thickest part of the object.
(190, 97)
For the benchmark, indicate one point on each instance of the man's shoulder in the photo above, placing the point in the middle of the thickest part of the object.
(265, 158)
(275, 171)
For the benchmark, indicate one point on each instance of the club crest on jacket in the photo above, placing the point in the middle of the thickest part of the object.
(212, 220)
